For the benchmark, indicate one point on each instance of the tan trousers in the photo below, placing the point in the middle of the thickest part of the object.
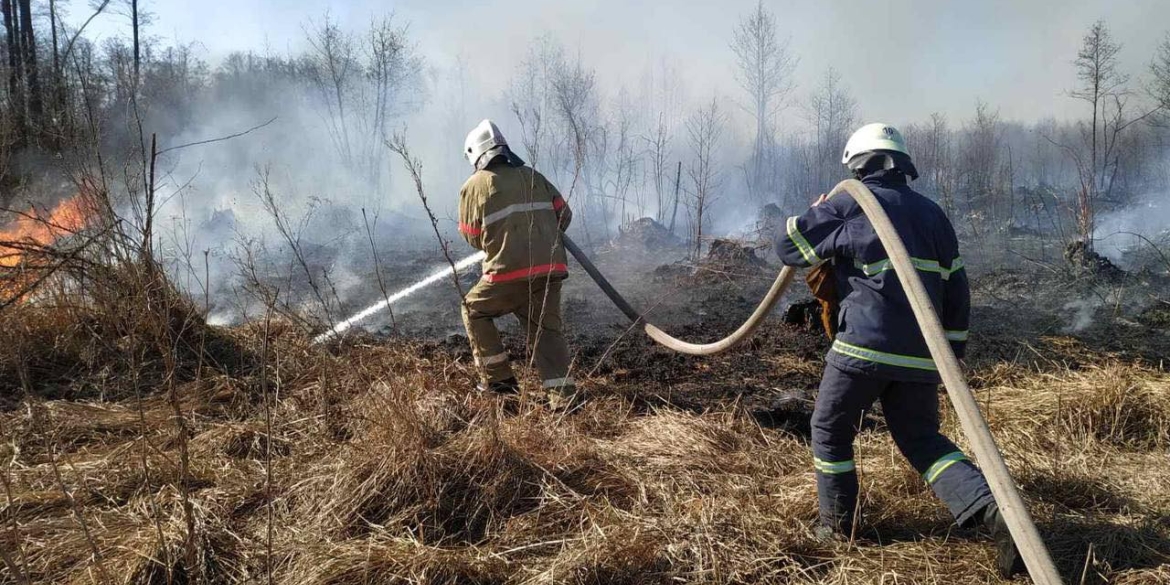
(537, 304)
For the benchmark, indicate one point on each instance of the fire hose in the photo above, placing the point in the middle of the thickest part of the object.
(1011, 504)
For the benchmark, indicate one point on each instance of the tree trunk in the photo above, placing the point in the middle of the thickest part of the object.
(12, 40)
(58, 88)
(137, 53)
(1087, 195)
(677, 181)
(30, 61)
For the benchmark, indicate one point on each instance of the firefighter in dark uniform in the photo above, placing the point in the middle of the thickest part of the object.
(878, 352)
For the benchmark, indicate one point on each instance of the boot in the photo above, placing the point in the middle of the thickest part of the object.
(825, 534)
(829, 530)
(1007, 556)
(506, 387)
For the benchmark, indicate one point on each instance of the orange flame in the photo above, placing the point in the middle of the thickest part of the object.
(36, 229)
(40, 230)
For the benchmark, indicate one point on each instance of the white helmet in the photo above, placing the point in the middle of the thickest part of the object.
(873, 137)
(483, 138)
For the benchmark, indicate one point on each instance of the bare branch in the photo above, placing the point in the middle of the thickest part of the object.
(219, 139)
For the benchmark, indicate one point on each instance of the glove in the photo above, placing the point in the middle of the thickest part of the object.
(823, 285)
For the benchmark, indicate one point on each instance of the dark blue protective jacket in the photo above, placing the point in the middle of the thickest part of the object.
(877, 334)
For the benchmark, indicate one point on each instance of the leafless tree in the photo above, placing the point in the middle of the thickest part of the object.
(1104, 135)
(832, 112)
(28, 49)
(931, 143)
(332, 68)
(662, 94)
(1100, 83)
(12, 49)
(980, 158)
(764, 70)
(1159, 87)
(575, 97)
(622, 158)
(24, 87)
(531, 98)
(705, 130)
(392, 66)
(658, 151)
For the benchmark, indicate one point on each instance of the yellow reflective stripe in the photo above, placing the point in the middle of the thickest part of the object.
(833, 467)
(802, 244)
(942, 464)
(956, 265)
(919, 263)
(927, 265)
(881, 357)
(956, 335)
(873, 269)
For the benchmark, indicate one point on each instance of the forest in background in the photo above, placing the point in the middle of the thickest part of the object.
(311, 126)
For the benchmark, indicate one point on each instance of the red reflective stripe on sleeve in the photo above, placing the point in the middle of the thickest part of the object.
(526, 272)
(469, 229)
(558, 203)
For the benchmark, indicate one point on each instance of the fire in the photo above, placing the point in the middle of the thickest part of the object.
(36, 229)
(41, 230)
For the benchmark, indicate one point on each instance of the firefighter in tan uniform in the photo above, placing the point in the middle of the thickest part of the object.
(515, 216)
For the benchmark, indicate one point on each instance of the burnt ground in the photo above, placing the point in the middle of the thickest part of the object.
(1047, 319)
(697, 302)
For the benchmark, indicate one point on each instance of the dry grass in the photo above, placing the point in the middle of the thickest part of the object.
(385, 470)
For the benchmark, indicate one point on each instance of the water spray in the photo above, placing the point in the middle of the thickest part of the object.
(406, 292)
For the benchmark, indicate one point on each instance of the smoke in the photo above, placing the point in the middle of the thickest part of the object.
(1080, 313)
(1120, 233)
(284, 204)
(306, 198)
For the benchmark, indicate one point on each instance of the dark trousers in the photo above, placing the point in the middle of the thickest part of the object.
(911, 411)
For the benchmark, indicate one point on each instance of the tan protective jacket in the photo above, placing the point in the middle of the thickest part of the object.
(514, 215)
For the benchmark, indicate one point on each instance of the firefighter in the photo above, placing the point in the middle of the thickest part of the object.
(878, 352)
(515, 215)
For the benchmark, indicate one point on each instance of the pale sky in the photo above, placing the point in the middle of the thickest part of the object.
(902, 59)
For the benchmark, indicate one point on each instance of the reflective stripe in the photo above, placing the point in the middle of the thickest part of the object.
(956, 265)
(927, 265)
(884, 265)
(919, 263)
(526, 272)
(558, 203)
(516, 208)
(802, 244)
(942, 464)
(559, 382)
(469, 229)
(881, 357)
(873, 269)
(833, 467)
(494, 359)
(956, 335)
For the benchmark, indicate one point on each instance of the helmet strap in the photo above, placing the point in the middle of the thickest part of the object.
(499, 154)
(864, 165)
